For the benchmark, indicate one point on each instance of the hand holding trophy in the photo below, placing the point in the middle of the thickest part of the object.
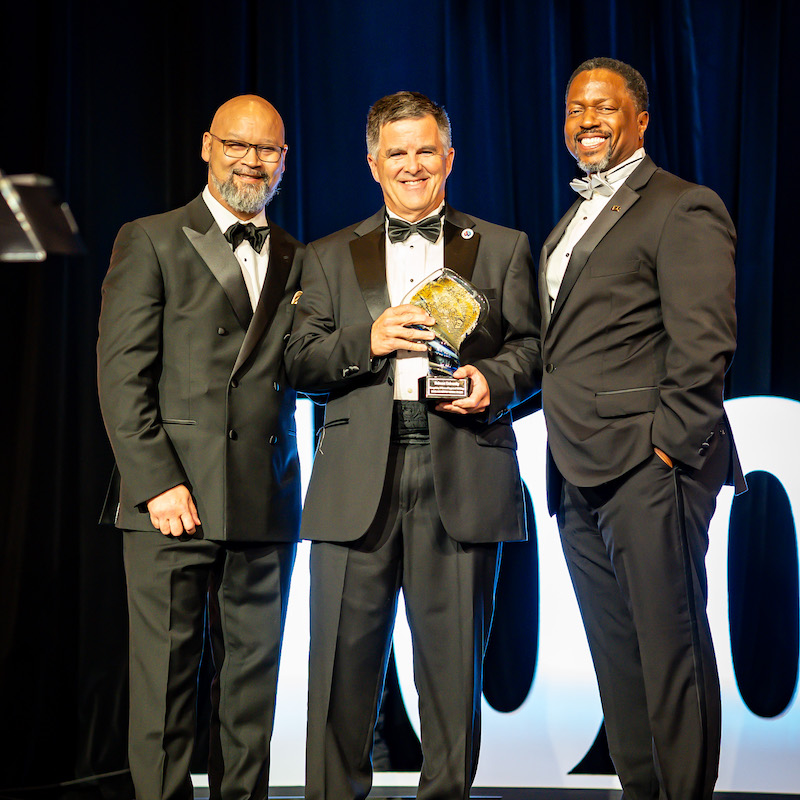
(458, 308)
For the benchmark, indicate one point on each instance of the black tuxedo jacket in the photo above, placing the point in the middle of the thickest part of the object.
(477, 482)
(191, 380)
(642, 332)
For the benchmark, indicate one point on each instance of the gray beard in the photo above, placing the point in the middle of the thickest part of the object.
(600, 166)
(245, 199)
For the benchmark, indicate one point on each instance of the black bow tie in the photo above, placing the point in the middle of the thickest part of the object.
(240, 231)
(399, 230)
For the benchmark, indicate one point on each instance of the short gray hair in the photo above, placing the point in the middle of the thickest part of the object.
(634, 82)
(405, 105)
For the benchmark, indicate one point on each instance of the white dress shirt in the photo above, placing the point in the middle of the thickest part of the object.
(407, 264)
(254, 265)
(586, 214)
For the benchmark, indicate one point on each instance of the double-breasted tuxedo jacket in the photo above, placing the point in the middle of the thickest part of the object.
(637, 344)
(191, 379)
(193, 391)
(477, 482)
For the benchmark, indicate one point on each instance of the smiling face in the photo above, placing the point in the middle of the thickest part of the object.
(244, 185)
(602, 127)
(412, 166)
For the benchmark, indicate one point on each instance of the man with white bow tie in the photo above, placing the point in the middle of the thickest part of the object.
(638, 328)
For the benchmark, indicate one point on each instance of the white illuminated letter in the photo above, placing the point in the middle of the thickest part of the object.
(758, 754)
(539, 743)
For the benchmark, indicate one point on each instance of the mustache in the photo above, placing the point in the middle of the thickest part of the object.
(251, 173)
(587, 134)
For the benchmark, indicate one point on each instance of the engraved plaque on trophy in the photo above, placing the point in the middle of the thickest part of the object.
(457, 308)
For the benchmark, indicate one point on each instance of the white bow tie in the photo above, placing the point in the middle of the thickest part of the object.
(586, 187)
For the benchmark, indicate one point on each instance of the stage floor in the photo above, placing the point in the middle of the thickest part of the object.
(118, 786)
(506, 793)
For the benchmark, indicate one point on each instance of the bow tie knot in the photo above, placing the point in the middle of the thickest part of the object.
(240, 231)
(587, 186)
(429, 228)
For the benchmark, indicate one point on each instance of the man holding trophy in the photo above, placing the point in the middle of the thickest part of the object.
(420, 324)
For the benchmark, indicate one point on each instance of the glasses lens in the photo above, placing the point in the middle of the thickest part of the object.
(269, 153)
(235, 149)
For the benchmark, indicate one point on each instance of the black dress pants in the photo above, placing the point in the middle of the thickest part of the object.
(636, 548)
(449, 594)
(175, 586)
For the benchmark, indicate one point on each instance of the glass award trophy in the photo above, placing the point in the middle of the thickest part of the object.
(457, 308)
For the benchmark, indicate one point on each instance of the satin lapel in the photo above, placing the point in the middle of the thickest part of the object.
(460, 252)
(281, 254)
(212, 247)
(547, 248)
(615, 209)
(369, 261)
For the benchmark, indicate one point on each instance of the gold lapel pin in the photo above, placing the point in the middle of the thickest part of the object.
(616, 208)
(296, 298)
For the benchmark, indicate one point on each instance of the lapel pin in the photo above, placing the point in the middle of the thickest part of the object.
(296, 298)
(467, 233)
(616, 208)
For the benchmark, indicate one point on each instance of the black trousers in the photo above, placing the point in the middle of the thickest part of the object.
(174, 586)
(636, 548)
(449, 595)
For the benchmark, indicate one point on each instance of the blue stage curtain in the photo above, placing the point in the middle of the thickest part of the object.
(111, 100)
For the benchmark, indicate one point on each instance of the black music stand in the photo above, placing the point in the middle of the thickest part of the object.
(34, 223)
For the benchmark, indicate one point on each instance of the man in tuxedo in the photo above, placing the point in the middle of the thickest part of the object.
(196, 305)
(637, 296)
(406, 494)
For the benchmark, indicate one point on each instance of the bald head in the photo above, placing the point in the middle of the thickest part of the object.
(244, 182)
(245, 107)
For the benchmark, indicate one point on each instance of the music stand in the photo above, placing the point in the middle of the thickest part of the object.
(34, 223)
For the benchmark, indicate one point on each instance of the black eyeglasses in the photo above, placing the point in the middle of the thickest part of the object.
(269, 153)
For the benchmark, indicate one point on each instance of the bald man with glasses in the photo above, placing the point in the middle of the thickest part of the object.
(196, 305)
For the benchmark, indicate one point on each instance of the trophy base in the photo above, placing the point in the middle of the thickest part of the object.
(437, 387)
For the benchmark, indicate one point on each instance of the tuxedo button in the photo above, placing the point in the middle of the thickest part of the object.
(234, 384)
(222, 332)
(390, 381)
(286, 337)
(703, 449)
(549, 368)
(233, 435)
(348, 371)
(273, 440)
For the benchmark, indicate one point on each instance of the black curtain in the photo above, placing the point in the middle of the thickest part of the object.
(111, 100)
